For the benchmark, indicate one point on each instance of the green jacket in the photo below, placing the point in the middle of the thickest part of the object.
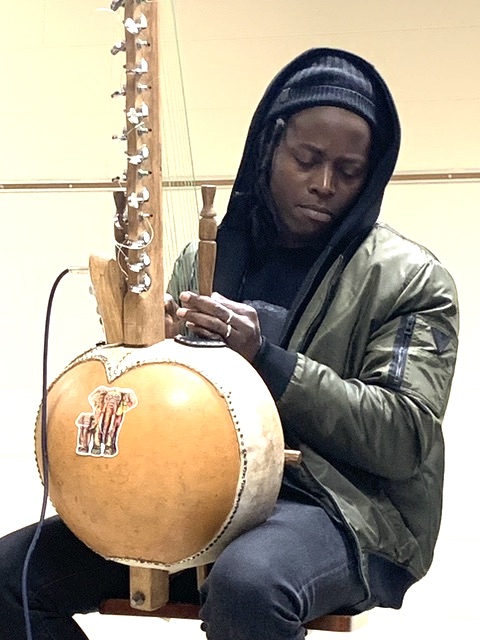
(369, 391)
(377, 373)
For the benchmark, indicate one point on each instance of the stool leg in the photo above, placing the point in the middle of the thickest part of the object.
(149, 588)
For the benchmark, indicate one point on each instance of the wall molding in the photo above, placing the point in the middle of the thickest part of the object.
(444, 175)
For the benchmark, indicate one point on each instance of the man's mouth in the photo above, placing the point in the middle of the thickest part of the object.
(319, 214)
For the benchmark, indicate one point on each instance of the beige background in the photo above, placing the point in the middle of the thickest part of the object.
(57, 120)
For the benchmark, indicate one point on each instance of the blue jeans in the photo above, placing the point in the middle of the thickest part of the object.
(296, 566)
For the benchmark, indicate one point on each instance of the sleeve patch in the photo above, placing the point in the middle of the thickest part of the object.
(442, 340)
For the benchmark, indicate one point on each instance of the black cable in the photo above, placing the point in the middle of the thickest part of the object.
(26, 610)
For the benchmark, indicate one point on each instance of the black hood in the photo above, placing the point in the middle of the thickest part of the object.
(246, 222)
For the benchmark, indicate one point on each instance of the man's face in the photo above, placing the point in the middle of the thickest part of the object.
(318, 170)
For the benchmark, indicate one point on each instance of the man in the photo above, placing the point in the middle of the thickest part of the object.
(354, 330)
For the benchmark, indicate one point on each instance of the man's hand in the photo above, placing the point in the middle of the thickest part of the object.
(218, 317)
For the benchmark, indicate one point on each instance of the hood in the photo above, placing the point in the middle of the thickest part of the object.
(245, 225)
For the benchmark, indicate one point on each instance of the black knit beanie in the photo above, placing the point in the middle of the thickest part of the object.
(328, 81)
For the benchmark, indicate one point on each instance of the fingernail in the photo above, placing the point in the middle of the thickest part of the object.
(185, 296)
(181, 313)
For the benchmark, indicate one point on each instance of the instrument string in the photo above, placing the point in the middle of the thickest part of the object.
(180, 198)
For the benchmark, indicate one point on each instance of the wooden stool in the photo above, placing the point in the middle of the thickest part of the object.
(121, 607)
(149, 595)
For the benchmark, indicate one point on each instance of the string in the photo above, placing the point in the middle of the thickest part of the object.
(181, 203)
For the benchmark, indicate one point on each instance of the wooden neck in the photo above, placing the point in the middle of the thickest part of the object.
(130, 289)
(143, 305)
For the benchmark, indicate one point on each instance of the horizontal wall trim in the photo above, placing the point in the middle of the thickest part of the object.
(464, 175)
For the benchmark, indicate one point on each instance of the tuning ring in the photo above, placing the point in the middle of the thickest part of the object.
(229, 331)
(230, 316)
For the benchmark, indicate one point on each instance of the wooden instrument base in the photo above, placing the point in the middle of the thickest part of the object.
(185, 611)
(150, 592)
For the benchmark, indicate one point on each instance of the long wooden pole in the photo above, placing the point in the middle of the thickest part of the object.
(143, 307)
(130, 288)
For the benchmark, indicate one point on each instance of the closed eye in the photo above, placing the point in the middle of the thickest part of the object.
(304, 160)
(352, 171)
(304, 164)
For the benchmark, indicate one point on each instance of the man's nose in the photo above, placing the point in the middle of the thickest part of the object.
(323, 180)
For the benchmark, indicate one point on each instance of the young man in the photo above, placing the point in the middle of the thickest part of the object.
(354, 330)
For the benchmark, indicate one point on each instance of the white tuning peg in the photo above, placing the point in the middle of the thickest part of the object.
(121, 137)
(143, 261)
(136, 115)
(137, 199)
(138, 158)
(142, 241)
(135, 27)
(142, 67)
(117, 47)
(142, 286)
(119, 93)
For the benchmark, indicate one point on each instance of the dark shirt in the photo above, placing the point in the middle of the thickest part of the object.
(272, 282)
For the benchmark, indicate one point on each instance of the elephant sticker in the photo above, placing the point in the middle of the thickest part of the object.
(99, 429)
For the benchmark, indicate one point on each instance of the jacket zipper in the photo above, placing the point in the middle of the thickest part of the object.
(330, 294)
(400, 350)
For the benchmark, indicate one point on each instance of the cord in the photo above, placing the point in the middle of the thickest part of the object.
(26, 610)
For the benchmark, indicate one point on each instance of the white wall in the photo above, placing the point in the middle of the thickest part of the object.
(57, 121)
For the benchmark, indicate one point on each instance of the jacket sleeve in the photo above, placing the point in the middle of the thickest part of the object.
(382, 420)
(184, 272)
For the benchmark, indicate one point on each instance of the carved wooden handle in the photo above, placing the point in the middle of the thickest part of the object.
(207, 247)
